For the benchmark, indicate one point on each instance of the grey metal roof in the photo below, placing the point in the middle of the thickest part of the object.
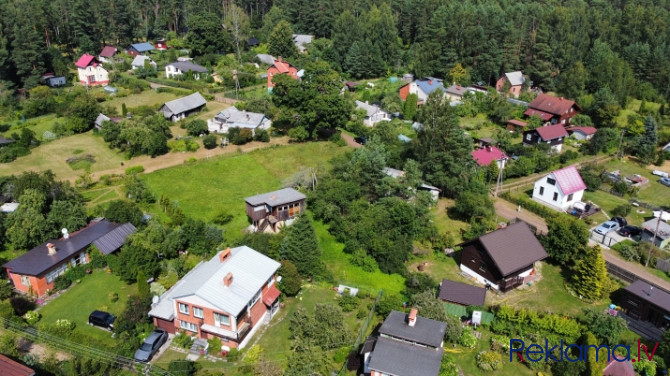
(370, 109)
(663, 228)
(250, 269)
(461, 293)
(37, 260)
(266, 59)
(114, 239)
(185, 104)
(282, 196)
(515, 78)
(240, 119)
(425, 331)
(187, 66)
(101, 119)
(4, 141)
(302, 40)
(139, 60)
(513, 248)
(402, 359)
(393, 172)
(142, 47)
(655, 295)
(457, 90)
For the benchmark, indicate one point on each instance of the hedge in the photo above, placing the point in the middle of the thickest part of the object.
(530, 205)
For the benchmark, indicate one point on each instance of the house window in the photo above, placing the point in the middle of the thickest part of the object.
(482, 268)
(551, 181)
(51, 276)
(528, 137)
(183, 308)
(555, 196)
(188, 326)
(541, 191)
(197, 312)
(220, 319)
(570, 197)
(25, 280)
(271, 281)
(632, 303)
(254, 299)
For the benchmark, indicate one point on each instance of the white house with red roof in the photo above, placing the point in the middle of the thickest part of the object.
(90, 71)
(489, 153)
(107, 54)
(280, 67)
(582, 133)
(561, 189)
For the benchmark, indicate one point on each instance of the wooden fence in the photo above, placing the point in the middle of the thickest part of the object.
(222, 99)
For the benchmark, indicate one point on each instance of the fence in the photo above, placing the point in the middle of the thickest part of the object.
(663, 265)
(222, 99)
(605, 240)
(361, 334)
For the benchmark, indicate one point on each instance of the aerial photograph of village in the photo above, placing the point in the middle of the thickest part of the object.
(335, 188)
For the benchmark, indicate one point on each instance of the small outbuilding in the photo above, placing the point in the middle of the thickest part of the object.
(180, 108)
(461, 293)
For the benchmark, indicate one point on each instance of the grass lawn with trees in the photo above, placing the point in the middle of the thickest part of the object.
(145, 98)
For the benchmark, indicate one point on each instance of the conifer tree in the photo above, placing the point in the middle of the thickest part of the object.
(589, 274)
(301, 247)
(281, 41)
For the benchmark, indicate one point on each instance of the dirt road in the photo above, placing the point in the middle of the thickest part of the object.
(510, 211)
(350, 141)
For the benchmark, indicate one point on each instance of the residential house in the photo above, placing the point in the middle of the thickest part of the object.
(161, 45)
(515, 125)
(406, 345)
(179, 68)
(461, 293)
(455, 93)
(560, 189)
(139, 60)
(179, 109)
(515, 80)
(554, 135)
(502, 259)
(12, 368)
(228, 297)
(232, 117)
(34, 272)
(140, 49)
(489, 153)
(552, 109)
(102, 118)
(280, 66)
(107, 54)
(373, 113)
(54, 81)
(269, 212)
(90, 71)
(582, 133)
(659, 227)
(422, 88)
(265, 59)
(399, 174)
(643, 301)
(302, 41)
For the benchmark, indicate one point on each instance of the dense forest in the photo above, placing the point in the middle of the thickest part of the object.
(571, 46)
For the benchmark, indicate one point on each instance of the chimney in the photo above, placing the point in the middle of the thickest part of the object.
(458, 87)
(51, 248)
(228, 279)
(489, 148)
(430, 82)
(279, 59)
(224, 255)
(411, 318)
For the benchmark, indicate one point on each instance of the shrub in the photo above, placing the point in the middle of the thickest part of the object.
(468, 339)
(489, 360)
(134, 170)
(196, 127)
(214, 346)
(262, 135)
(65, 324)
(21, 305)
(362, 313)
(183, 340)
(622, 210)
(499, 342)
(348, 302)
(222, 218)
(210, 141)
(62, 282)
(341, 354)
(32, 317)
(233, 355)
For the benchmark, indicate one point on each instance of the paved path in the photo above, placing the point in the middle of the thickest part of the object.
(350, 140)
(509, 211)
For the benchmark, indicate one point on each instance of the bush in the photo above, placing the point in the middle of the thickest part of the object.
(468, 339)
(32, 317)
(348, 302)
(222, 218)
(262, 135)
(499, 342)
(489, 360)
(210, 141)
(61, 282)
(183, 340)
(622, 210)
(214, 346)
(21, 305)
(134, 170)
(362, 313)
(239, 136)
(341, 354)
(233, 355)
(196, 127)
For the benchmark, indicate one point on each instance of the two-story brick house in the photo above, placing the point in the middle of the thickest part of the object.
(228, 297)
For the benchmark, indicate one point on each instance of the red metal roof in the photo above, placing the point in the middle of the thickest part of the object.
(108, 51)
(543, 115)
(270, 296)
(486, 155)
(283, 66)
(551, 132)
(585, 130)
(553, 105)
(84, 61)
(12, 368)
(518, 123)
(569, 180)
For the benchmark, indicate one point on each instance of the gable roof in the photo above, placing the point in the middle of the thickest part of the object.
(114, 239)
(515, 78)
(586, 130)
(553, 105)
(184, 104)
(250, 269)
(142, 47)
(456, 90)
(12, 368)
(37, 260)
(650, 293)
(401, 359)
(139, 60)
(517, 122)
(663, 228)
(266, 59)
(462, 293)
(370, 109)
(551, 132)
(274, 198)
(240, 119)
(513, 247)
(108, 51)
(425, 331)
(6, 141)
(484, 156)
(187, 66)
(616, 368)
(282, 66)
(429, 86)
(543, 115)
(393, 172)
(85, 60)
(302, 40)
(569, 180)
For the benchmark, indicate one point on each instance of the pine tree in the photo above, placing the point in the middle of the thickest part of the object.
(411, 102)
(281, 43)
(647, 147)
(589, 274)
(353, 63)
(301, 247)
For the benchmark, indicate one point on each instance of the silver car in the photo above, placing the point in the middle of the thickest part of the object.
(607, 227)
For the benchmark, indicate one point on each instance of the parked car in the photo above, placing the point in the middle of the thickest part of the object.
(102, 319)
(607, 227)
(630, 231)
(664, 181)
(660, 173)
(151, 345)
(620, 220)
(361, 140)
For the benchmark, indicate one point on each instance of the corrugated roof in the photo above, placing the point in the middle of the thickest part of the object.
(114, 239)
(283, 66)
(101, 119)
(12, 368)
(663, 228)
(402, 359)
(274, 198)
(187, 66)
(37, 260)
(250, 270)
(142, 47)
(185, 104)
(266, 59)
(461, 293)
(270, 296)
(484, 156)
(429, 86)
(240, 119)
(518, 123)
(655, 296)
(553, 105)
(551, 132)
(515, 78)
(543, 115)
(513, 248)
(425, 331)
(85, 60)
(370, 109)
(139, 60)
(569, 180)
(108, 51)
(393, 172)
(457, 90)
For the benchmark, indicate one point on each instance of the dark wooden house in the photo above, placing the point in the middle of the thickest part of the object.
(554, 135)
(645, 302)
(503, 259)
(271, 211)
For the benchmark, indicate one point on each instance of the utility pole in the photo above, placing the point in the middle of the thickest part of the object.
(653, 239)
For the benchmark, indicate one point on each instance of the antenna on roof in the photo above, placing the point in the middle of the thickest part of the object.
(66, 235)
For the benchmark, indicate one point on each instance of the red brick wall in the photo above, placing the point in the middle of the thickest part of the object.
(168, 326)
(500, 83)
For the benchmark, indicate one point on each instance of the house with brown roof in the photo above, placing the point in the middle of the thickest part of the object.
(280, 67)
(560, 189)
(582, 133)
(554, 135)
(269, 212)
(643, 301)
(12, 368)
(503, 259)
(516, 125)
(552, 109)
(461, 293)
(107, 54)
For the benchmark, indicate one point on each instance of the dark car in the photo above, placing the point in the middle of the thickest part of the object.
(102, 319)
(151, 345)
(630, 231)
(361, 140)
(620, 220)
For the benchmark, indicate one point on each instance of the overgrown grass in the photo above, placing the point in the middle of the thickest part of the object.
(145, 98)
(38, 125)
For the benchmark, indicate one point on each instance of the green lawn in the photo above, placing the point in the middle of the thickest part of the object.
(83, 298)
(38, 125)
(145, 98)
(446, 225)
